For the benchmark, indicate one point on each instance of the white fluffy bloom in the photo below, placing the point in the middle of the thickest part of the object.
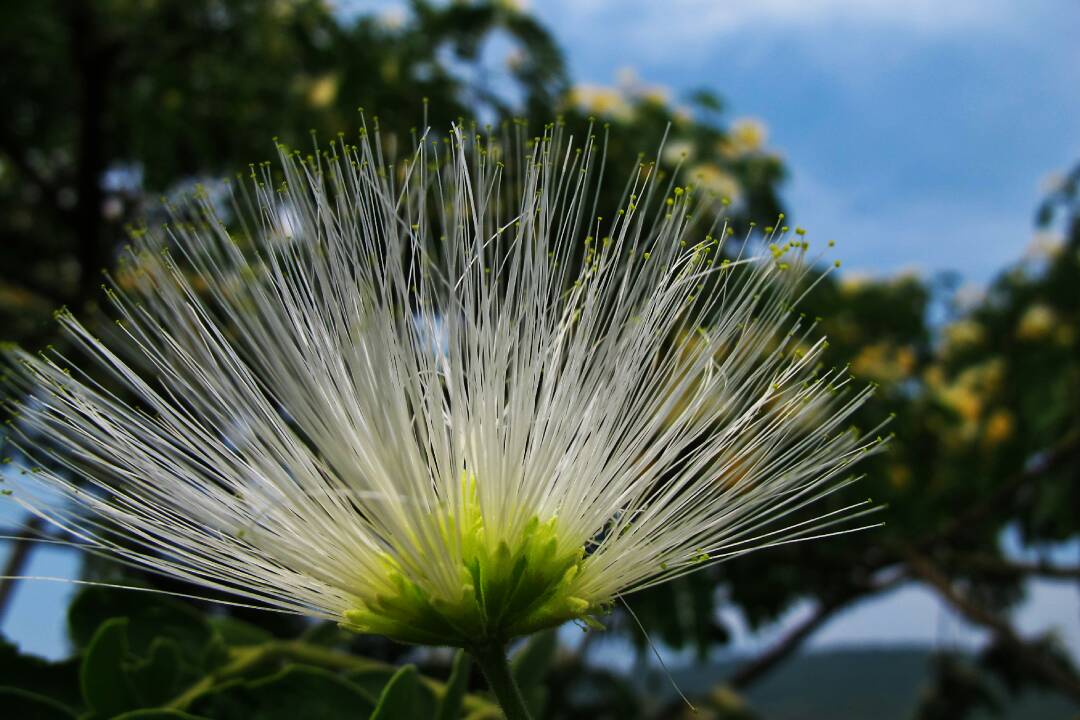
(439, 399)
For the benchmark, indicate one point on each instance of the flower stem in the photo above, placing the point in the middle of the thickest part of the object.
(493, 663)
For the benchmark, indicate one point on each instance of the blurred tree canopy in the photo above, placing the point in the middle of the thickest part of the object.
(118, 101)
(113, 103)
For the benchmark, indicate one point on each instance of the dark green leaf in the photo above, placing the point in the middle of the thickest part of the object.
(370, 681)
(456, 686)
(214, 654)
(298, 691)
(158, 677)
(374, 682)
(400, 697)
(105, 685)
(155, 714)
(27, 705)
(237, 632)
(151, 616)
(58, 681)
(530, 664)
(328, 634)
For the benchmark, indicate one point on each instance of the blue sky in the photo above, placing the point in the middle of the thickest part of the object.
(917, 132)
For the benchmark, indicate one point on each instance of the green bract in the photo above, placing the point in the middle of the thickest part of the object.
(508, 588)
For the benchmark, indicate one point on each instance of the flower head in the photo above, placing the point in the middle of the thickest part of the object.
(439, 399)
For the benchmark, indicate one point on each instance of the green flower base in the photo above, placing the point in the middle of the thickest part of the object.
(512, 589)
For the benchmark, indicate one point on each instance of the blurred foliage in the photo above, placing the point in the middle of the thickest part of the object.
(118, 101)
(144, 655)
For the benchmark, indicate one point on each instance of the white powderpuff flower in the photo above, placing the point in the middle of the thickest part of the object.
(607, 102)
(439, 399)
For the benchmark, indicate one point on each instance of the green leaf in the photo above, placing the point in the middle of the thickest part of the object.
(58, 681)
(530, 664)
(298, 691)
(105, 685)
(27, 705)
(375, 682)
(214, 654)
(328, 634)
(157, 678)
(324, 689)
(150, 616)
(370, 681)
(401, 698)
(456, 686)
(237, 632)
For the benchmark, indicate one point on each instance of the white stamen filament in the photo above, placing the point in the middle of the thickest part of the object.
(296, 395)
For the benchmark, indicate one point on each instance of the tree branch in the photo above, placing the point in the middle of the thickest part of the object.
(977, 514)
(753, 670)
(973, 517)
(992, 565)
(93, 59)
(1046, 667)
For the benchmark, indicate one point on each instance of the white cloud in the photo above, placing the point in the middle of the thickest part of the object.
(656, 31)
(696, 17)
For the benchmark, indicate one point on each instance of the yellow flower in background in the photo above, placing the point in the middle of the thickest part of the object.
(745, 136)
(676, 151)
(884, 362)
(654, 94)
(1036, 323)
(968, 394)
(899, 476)
(964, 400)
(999, 427)
(963, 334)
(934, 377)
(854, 282)
(1044, 245)
(600, 100)
(282, 9)
(711, 178)
(323, 90)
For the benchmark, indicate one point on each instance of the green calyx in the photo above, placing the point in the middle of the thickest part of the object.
(508, 588)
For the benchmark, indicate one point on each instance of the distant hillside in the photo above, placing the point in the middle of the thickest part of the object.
(850, 684)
